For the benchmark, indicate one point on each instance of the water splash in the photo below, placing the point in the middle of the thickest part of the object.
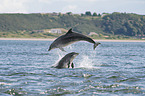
(69, 47)
(60, 55)
(85, 62)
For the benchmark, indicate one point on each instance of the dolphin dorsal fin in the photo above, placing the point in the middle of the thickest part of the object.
(69, 31)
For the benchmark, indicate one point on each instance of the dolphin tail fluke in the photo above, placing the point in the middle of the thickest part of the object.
(96, 44)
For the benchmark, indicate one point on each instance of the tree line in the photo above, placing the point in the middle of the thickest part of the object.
(115, 24)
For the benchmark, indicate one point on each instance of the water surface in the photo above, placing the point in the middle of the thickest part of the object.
(114, 68)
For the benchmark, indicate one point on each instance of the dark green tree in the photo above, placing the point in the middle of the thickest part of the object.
(94, 14)
(88, 13)
(99, 15)
(69, 13)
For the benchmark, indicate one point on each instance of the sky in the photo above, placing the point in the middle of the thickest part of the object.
(74, 6)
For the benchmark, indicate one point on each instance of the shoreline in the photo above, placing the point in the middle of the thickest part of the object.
(31, 39)
(49, 39)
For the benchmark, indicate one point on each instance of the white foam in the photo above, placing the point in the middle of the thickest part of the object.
(85, 62)
(3, 83)
(69, 47)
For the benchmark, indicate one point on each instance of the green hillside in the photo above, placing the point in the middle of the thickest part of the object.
(115, 25)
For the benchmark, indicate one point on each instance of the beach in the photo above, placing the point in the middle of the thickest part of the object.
(50, 39)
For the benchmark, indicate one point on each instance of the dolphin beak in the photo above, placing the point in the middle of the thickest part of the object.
(77, 53)
(49, 49)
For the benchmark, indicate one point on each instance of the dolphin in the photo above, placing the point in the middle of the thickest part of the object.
(69, 38)
(66, 61)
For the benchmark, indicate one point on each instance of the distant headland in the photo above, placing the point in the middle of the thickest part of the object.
(51, 25)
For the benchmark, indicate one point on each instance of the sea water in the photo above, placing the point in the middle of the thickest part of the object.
(112, 69)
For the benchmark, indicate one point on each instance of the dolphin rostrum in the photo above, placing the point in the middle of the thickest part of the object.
(69, 38)
(66, 61)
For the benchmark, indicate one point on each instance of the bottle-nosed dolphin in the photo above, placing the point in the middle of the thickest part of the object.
(69, 38)
(66, 61)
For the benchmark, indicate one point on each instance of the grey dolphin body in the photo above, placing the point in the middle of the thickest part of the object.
(66, 61)
(69, 38)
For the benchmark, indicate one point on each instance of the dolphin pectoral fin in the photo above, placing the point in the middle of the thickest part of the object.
(72, 65)
(62, 49)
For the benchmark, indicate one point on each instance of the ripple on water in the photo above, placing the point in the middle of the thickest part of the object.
(110, 69)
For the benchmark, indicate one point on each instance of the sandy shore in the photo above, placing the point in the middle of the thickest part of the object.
(99, 40)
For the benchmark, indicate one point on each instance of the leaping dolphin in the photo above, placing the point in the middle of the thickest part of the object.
(69, 38)
(66, 61)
